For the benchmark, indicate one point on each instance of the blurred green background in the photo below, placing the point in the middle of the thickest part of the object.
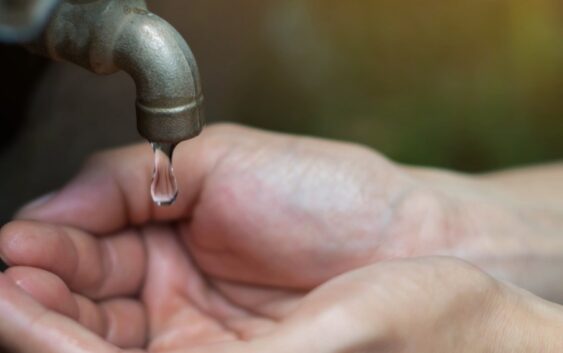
(467, 84)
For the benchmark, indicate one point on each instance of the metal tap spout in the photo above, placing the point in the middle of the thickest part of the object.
(106, 36)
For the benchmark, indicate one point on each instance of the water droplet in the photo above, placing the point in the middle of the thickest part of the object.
(164, 188)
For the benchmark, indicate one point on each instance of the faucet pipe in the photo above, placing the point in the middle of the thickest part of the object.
(105, 36)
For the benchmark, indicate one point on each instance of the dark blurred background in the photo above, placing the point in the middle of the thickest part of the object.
(472, 85)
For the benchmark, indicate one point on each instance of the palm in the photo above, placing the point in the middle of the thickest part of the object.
(187, 308)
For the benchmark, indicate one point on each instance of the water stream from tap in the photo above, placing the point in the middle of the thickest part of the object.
(164, 188)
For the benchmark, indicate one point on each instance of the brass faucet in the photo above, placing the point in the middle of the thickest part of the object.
(105, 36)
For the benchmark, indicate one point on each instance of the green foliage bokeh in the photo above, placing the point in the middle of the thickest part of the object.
(467, 84)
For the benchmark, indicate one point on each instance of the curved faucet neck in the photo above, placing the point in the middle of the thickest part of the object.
(105, 36)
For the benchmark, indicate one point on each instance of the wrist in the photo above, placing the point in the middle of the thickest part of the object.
(510, 238)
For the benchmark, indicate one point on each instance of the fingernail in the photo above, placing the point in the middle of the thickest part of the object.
(37, 203)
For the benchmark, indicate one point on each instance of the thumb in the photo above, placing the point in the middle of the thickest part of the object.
(28, 327)
(113, 189)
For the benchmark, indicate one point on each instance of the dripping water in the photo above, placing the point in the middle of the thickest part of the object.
(164, 188)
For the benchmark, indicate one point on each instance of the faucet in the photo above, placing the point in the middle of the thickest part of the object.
(105, 36)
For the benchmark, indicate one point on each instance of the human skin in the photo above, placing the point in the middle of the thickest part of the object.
(296, 211)
(266, 218)
(423, 305)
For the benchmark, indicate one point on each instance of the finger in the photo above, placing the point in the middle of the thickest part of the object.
(28, 327)
(171, 294)
(95, 267)
(120, 321)
(126, 323)
(45, 287)
(112, 190)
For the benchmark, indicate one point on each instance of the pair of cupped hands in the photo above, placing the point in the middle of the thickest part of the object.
(275, 244)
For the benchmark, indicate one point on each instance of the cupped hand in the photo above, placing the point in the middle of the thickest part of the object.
(294, 212)
(96, 303)
(268, 208)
